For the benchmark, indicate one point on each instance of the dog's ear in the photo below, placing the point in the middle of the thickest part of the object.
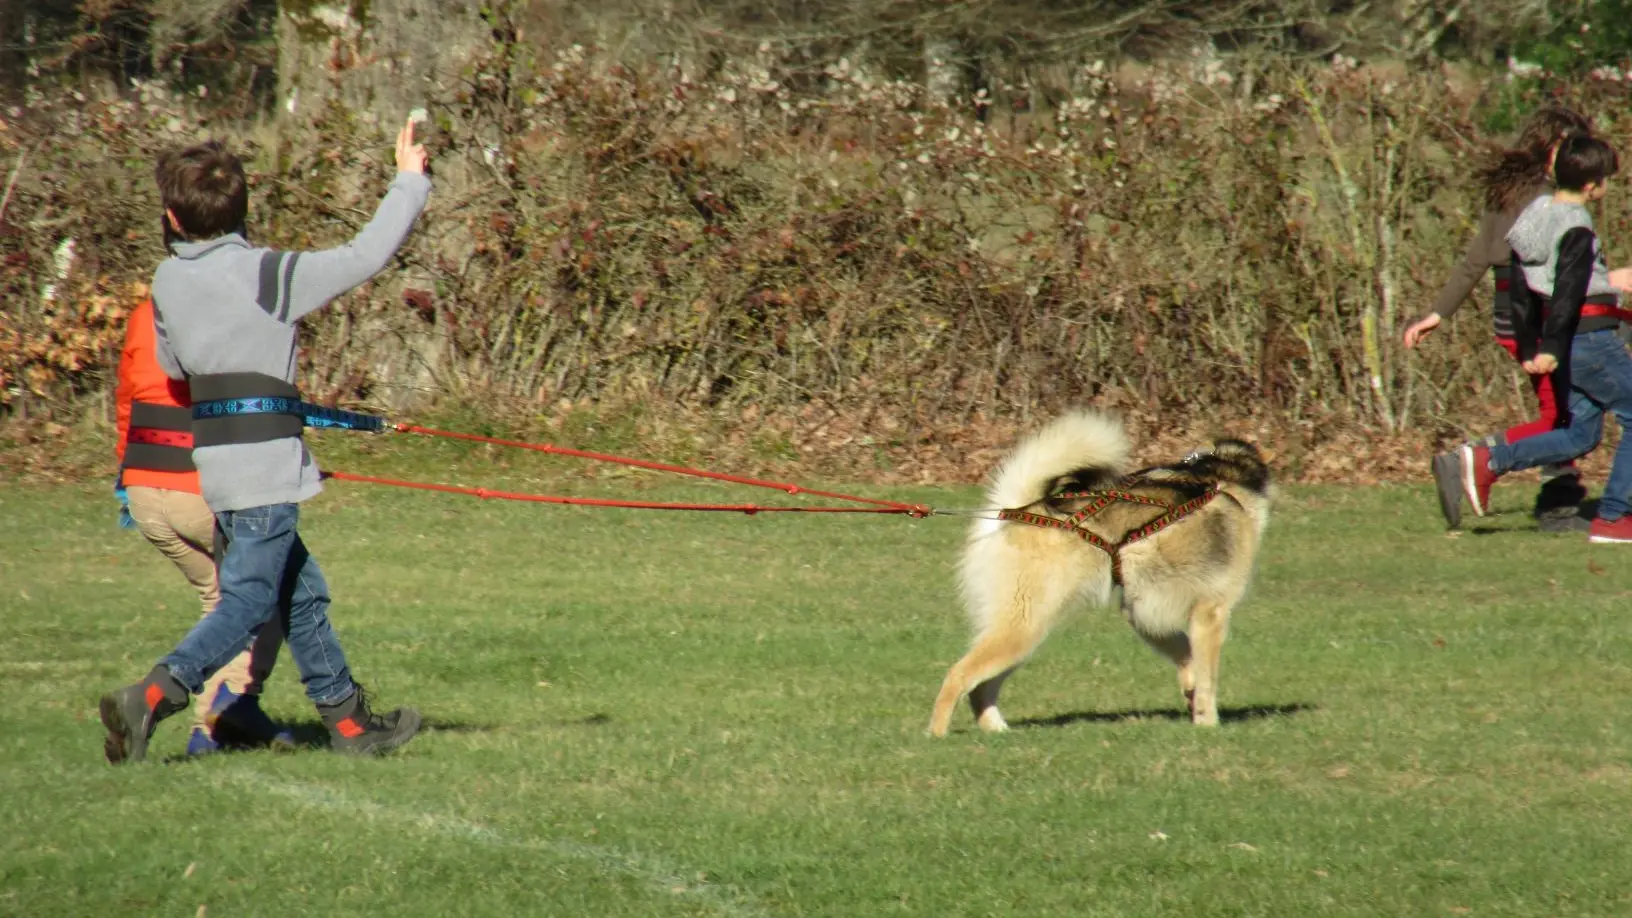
(1244, 463)
(1233, 449)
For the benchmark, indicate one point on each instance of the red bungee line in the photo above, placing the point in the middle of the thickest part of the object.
(880, 506)
(489, 494)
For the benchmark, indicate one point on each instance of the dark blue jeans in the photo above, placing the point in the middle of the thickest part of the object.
(1600, 382)
(266, 571)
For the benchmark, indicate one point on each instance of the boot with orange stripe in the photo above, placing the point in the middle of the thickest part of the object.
(131, 713)
(355, 729)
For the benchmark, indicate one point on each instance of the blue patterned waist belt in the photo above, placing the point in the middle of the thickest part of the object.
(310, 415)
(231, 408)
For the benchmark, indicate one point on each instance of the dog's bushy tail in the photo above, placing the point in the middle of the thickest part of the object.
(1083, 448)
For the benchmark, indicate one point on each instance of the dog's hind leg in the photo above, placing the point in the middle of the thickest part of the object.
(994, 656)
(1016, 583)
(1176, 647)
(983, 699)
(1209, 623)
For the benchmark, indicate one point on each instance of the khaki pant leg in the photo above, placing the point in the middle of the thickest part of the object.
(171, 523)
(263, 655)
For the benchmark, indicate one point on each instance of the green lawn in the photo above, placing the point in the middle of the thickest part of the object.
(639, 714)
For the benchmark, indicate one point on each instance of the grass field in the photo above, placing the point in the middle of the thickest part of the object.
(641, 714)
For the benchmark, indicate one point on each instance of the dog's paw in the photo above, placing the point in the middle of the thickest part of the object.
(991, 721)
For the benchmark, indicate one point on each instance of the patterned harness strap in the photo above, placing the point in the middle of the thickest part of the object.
(1102, 499)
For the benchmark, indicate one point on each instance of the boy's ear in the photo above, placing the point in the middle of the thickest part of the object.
(175, 225)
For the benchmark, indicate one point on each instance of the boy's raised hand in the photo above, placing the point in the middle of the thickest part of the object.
(410, 156)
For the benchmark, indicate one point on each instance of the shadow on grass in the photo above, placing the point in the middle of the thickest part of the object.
(310, 735)
(1522, 531)
(1225, 715)
(1526, 524)
(1529, 527)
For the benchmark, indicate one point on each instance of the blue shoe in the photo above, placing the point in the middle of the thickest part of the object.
(200, 743)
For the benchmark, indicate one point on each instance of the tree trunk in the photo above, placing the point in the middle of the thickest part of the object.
(380, 60)
(943, 72)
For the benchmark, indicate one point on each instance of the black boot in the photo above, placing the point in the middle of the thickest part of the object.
(131, 713)
(354, 729)
(1558, 503)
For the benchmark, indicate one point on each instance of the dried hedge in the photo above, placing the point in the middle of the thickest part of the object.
(769, 241)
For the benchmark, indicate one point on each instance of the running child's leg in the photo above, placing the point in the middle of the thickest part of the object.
(259, 540)
(1558, 503)
(1611, 374)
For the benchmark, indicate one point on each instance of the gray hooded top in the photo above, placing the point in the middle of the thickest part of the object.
(223, 306)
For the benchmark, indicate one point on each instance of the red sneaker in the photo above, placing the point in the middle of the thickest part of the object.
(1611, 530)
(1477, 477)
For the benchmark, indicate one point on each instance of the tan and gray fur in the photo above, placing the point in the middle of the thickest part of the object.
(1179, 584)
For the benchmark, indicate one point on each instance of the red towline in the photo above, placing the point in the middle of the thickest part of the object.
(877, 505)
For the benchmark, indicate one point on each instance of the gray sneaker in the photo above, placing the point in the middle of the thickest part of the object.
(1448, 482)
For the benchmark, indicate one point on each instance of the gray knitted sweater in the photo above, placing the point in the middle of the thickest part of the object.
(1535, 237)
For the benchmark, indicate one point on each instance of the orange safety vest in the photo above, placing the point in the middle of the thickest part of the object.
(155, 443)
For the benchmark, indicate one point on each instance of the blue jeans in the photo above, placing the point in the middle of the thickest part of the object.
(266, 571)
(1600, 381)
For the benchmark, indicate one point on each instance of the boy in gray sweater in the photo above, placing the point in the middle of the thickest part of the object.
(225, 316)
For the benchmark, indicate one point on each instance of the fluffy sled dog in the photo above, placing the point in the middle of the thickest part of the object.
(1178, 539)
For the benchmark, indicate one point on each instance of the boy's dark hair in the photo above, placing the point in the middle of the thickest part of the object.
(1511, 172)
(204, 187)
(1583, 161)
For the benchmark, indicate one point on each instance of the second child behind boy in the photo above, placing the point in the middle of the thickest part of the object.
(1566, 326)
